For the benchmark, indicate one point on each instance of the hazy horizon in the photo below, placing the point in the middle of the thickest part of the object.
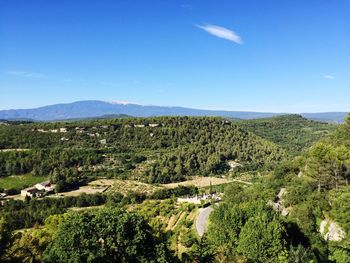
(170, 106)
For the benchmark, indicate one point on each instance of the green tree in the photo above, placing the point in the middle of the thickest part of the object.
(223, 232)
(5, 238)
(262, 239)
(201, 252)
(339, 157)
(29, 246)
(347, 123)
(319, 164)
(340, 255)
(103, 236)
(299, 254)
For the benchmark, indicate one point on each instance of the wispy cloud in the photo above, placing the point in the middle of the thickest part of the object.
(221, 32)
(28, 74)
(329, 77)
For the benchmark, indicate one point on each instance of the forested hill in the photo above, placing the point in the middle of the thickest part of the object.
(311, 195)
(166, 148)
(292, 132)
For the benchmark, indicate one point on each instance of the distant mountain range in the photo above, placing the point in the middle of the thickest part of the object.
(94, 108)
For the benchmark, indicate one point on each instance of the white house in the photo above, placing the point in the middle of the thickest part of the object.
(38, 190)
(46, 186)
(199, 198)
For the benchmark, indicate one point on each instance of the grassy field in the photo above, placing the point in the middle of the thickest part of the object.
(20, 181)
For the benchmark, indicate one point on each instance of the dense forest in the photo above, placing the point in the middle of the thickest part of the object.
(296, 210)
(292, 132)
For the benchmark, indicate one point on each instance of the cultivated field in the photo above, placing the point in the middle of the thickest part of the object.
(124, 186)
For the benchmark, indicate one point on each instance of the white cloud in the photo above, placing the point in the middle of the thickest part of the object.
(28, 74)
(329, 77)
(221, 32)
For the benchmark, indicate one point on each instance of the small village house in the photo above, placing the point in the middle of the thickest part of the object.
(38, 190)
(45, 186)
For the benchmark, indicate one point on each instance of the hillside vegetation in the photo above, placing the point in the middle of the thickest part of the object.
(296, 209)
(299, 213)
(292, 132)
(156, 150)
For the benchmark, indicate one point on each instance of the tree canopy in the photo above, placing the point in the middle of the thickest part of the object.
(104, 236)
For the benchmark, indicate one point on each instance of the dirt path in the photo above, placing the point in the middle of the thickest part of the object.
(240, 181)
(199, 182)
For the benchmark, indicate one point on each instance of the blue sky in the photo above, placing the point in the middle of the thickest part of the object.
(280, 56)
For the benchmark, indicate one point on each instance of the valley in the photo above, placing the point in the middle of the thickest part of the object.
(170, 171)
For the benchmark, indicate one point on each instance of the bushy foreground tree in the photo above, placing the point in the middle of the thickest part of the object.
(261, 239)
(249, 231)
(105, 236)
(328, 165)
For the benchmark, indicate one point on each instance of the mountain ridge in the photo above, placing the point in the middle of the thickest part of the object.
(96, 108)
